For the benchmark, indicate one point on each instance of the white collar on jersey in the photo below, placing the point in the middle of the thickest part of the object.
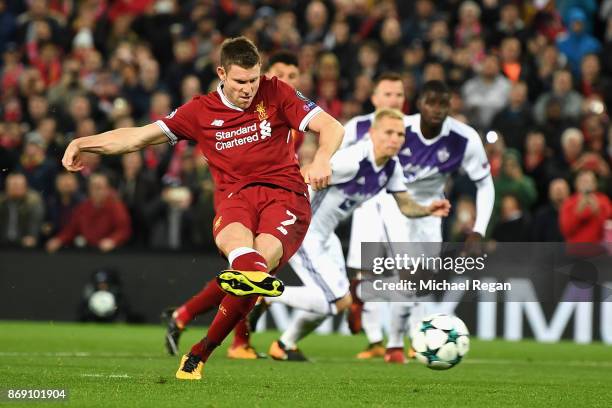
(372, 157)
(226, 101)
(443, 132)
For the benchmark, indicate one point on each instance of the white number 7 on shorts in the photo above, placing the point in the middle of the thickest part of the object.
(288, 222)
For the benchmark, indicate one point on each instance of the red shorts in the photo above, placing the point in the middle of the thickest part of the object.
(266, 209)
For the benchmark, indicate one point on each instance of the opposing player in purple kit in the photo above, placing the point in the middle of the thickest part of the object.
(436, 146)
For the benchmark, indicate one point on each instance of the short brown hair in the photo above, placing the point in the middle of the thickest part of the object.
(239, 51)
(387, 76)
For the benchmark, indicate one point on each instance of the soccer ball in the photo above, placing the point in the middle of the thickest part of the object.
(440, 341)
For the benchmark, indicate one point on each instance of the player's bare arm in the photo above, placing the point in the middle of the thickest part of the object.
(331, 132)
(412, 209)
(118, 141)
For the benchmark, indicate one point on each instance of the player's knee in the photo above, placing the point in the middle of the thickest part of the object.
(233, 236)
(270, 248)
(344, 303)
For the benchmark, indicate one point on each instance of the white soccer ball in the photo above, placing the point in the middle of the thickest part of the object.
(440, 341)
(102, 303)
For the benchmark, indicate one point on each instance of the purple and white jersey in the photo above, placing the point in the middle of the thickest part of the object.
(427, 163)
(355, 178)
(357, 129)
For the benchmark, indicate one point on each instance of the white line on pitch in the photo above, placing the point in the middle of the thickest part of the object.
(106, 375)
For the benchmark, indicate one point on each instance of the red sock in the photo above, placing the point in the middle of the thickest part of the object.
(210, 296)
(242, 334)
(231, 310)
(247, 259)
(353, 289)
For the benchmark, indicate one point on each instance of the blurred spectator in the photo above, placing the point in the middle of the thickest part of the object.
(140, 94)
(61, 204)
(583, 214)
(486, 94)
(515, 120)
(572, 142)
(190, 87)
(21, 213)
(171, 218)
(316, 19)
(556, 124)
(101, 221)
(513, 225)
(537, 163)
(391, 51)
(545, 60)
(38, 108)
(588, 7)
(546, 220)
(510, 24)
(418, 24)
(570, 100)
(577, 42)
(8, 26)
(512, 64)
(512, 181)
(137, 188)
(39, 169)
(469, 23)
(243, 18)
(367, 64)
(184, 55)
(592, 82)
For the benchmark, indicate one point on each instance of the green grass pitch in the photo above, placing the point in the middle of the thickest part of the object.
(125, 366)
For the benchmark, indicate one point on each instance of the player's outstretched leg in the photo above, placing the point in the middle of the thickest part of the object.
(373, 331)
(231, 310)
(177, 319)
(356, 309)
(241, 348)
(302, 324)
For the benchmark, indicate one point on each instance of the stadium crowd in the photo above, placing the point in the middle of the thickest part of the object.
(538, 73)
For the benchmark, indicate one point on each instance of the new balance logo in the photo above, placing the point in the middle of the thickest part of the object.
(217, 122)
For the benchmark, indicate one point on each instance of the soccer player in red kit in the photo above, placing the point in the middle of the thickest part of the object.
(261, 204)
(284, 66)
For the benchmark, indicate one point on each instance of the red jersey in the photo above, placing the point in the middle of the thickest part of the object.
(246, 146)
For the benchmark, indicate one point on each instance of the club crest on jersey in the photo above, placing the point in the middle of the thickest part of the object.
(443, 155)
(261, 111)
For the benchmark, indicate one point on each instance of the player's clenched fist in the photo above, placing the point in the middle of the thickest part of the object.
(439, 208)
(72, 159)
(317, 174)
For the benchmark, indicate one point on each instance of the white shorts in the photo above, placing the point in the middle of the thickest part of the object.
(380, 220)
(320, 264)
